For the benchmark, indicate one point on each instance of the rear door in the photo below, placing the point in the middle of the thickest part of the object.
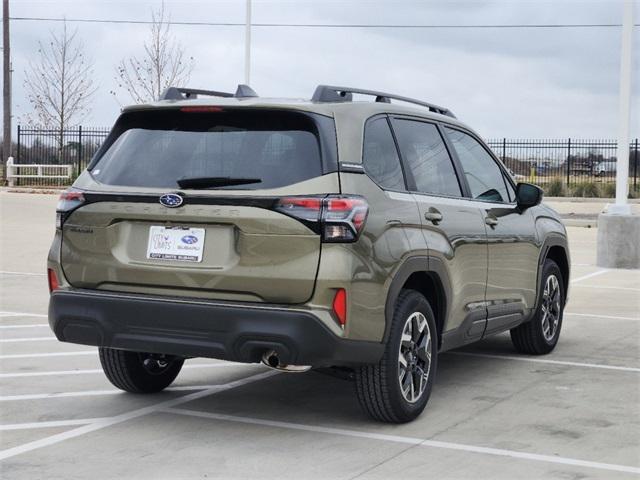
(222, 242)
(452, 225)
(512, 239)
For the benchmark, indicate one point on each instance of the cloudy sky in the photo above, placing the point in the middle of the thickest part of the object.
(512, 82)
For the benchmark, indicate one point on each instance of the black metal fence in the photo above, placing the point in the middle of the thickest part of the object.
(563, 167)
(568, 166)
(73, 147)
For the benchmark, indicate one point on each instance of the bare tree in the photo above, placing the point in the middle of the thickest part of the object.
(59, 83)
(163, 64)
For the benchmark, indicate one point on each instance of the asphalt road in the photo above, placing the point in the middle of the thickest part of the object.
(493, 413)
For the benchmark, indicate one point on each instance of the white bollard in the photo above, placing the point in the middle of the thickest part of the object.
(10, 171)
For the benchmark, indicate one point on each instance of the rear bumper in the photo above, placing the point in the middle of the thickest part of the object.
(195, 328)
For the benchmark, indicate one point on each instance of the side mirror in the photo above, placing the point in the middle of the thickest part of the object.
(528, 195)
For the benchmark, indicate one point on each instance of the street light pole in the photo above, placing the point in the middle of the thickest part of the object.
(6, 90)
(247, 45)
(622, 207)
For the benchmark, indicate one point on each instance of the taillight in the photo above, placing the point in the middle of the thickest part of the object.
(340, 306)
(336, 218)
(69, 200)
(53, 280)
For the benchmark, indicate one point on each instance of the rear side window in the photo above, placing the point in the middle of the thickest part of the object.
(483, 174)
(426, 156)
(158, 148)
(380, 157)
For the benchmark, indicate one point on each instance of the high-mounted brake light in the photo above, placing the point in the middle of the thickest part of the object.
(201, 109)
(53, 280)
(69, 200)
(340, 306)
(336, 218)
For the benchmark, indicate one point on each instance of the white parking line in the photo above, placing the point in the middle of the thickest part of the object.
(22, 314)
(108, 422)
(29, 274)
(93, 393)
(99, 370)
(609, 317)
(54, 423)
(589, 275)
(48, 354)
(409, 440)
(609, 287)
(29, 339)
(553, 362)
(35, 325)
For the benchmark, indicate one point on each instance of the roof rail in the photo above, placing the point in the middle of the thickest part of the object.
(180, 93)
(328, 93)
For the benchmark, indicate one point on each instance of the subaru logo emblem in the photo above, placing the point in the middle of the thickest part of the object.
(171, 200)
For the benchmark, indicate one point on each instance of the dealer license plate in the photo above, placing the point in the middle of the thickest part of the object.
(182, 244)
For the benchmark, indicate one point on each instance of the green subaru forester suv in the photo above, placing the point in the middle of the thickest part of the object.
(358, 237)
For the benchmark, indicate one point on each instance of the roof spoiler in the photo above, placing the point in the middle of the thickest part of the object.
(180, 93)
(328, 93)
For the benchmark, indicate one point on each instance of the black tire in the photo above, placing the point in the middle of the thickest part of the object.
(127, 370)
(378, 386)
(530, 337)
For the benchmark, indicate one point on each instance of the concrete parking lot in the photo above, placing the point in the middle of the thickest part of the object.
(493, 414)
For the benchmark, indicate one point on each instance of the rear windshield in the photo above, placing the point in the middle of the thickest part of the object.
(157, 148)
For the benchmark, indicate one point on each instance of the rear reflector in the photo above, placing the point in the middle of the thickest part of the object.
(340, 306)
(53, 280)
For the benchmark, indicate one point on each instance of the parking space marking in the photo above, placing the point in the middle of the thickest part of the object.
(110, 421)
(93, 393)
(553, 362)
(55, 423)
(609, 287)
(28, 274)
(27, 339)
(99, 370)
(609, 317)
(48, 354)
(35, 325)
(589, 275)
(408, 440)
(22, 314)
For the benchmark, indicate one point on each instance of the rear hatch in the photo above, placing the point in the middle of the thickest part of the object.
(185, 202)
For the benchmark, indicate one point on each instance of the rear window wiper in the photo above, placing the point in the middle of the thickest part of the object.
(213, 182)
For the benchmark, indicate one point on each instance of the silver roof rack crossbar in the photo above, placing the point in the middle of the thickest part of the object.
(180, 93)
(329, 93)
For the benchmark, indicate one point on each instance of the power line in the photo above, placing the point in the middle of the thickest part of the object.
(325, 25)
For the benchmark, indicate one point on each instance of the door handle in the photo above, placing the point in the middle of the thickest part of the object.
(491, 221)
(433, 216)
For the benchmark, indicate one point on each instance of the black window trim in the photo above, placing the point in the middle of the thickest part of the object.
(505, 176)
(411, 184)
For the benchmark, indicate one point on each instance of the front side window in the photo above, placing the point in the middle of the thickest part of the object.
(380, 157)
(484, 176)
(426, 156)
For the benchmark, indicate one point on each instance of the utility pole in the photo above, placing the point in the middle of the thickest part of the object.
(6, 89)
(247, 45)
(622, 164)
(618, 227)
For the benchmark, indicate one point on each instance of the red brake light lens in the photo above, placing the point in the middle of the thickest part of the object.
(200, 109)
(69, 200)
(53, 280)
(340, 306)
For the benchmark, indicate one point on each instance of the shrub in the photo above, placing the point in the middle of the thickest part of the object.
(587, 190)
(608, 190)
(555, 188)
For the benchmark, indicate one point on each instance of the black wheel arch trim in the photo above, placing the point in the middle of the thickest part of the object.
(428, 264)
(552, 240)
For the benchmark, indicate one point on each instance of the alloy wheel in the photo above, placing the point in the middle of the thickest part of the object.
(551, 307)
(414, 357)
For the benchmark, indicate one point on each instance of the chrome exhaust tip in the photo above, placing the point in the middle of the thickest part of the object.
(272, 360)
